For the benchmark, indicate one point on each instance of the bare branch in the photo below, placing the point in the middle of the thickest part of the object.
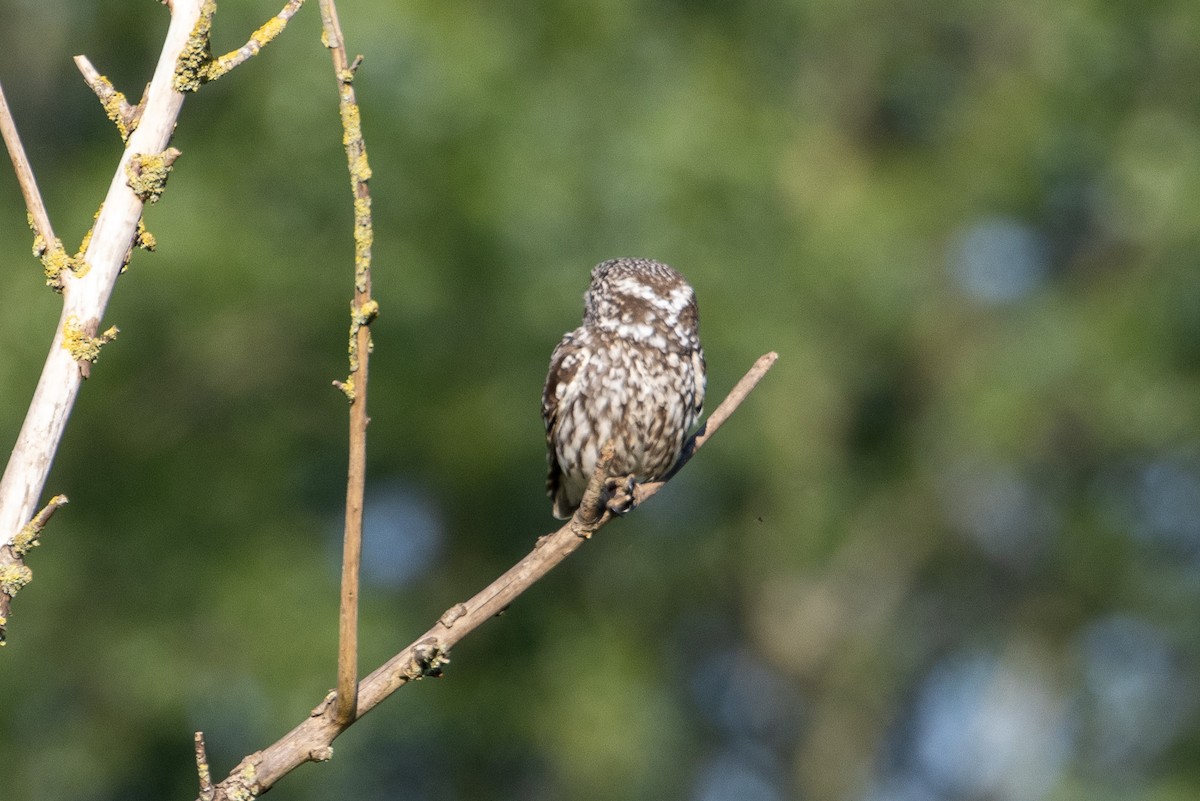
(715, 420)
(311, 741)
(363, 310)
(21, 166)
(87, 289)
(14, 573)
(123, 115)
(207, 792)
(258, 40)
(28, 537)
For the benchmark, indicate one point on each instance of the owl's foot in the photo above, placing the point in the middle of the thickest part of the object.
(618, 494)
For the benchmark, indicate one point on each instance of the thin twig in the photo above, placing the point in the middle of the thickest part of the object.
(362, 311)
(428, 654)
(115, 105)
(20, 162)
(712, 423)
(28, 537)
(14, 573)
(258, 40)
(207, 792)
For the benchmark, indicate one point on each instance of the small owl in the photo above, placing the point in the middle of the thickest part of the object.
(633, 373)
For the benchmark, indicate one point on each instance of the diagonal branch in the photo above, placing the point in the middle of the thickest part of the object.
(86, 291)
(262, 37)
(715, 420)
(311, 741)
(14, 573)
(115, 105)
(33, 198)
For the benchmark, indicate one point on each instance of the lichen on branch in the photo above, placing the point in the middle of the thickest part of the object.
(360, 316)
(82, 346)
(13, 578)
(191, 67)
(143, 238)
(147, 173)
(54, 260)
(115, 105)
(196, 65)
(28, 537)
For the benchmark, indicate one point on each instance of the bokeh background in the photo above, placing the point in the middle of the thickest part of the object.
(950, 549)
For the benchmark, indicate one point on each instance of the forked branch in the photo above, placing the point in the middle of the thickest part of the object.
(86, 290)
(257, 41)
(86, 280)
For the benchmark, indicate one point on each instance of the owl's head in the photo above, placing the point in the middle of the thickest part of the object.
(644, 301)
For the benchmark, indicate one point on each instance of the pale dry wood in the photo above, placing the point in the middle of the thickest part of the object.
(123, 115)
(257, 41)
(312, 739)
(86, 296)
(21, 166)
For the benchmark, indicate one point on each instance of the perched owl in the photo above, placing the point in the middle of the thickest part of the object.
(633, 373)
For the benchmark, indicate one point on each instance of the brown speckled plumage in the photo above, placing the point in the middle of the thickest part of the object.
(632, 373)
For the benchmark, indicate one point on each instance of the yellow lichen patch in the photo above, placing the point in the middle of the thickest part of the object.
(54, 261)
(147, 173)
(360, 169)
(82, 346)
(79, 265)
(13, 578)
(351, 124)
(54, 257)
(269, 30)
(219, 66)
(26, 539)
(190, 69)
(196, 65)
(365, 314)
(114, 104)
(362, 215)
(364, 238)
(246, 787)
(360, 316)
(87, 238)
(144, 239)
(347, 388)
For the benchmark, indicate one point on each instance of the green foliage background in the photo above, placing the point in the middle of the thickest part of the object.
(949, 550)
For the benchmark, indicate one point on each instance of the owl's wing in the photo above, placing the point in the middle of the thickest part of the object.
(564, 364)
(550, 391)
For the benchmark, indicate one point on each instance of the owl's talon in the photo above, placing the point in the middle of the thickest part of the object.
(618, 494)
